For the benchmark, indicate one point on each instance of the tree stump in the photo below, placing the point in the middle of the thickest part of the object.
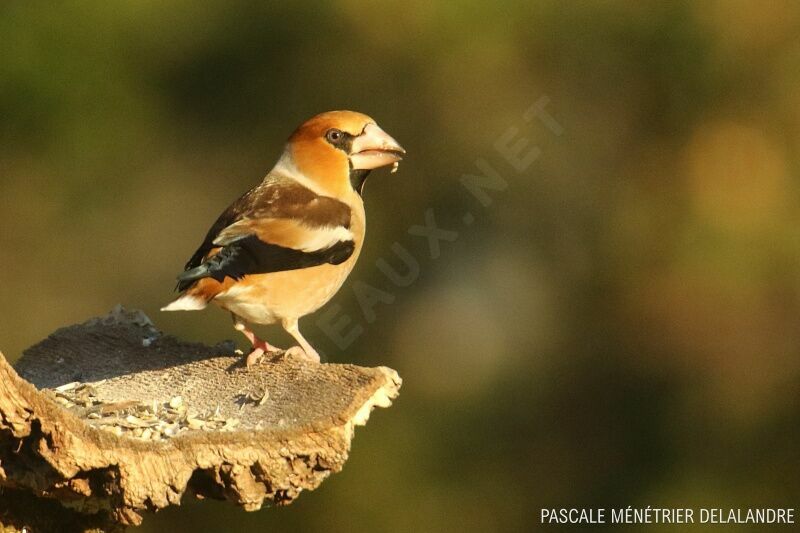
(104, 420)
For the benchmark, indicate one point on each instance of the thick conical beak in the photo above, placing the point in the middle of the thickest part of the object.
(374, 148)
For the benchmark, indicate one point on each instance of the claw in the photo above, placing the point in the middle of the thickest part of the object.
(260, 347)
(296, 352)
(254, 357)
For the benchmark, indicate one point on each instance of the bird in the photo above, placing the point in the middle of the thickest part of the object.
(285, 247)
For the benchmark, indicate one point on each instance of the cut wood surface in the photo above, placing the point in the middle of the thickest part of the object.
(104, 420)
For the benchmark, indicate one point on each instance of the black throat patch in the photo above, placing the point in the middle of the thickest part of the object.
(358, 178)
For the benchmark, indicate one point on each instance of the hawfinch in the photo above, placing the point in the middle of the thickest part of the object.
(284, 248)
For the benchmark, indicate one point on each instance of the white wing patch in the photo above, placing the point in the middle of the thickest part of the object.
(322, 238)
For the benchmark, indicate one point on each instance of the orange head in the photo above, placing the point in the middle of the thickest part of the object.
(336, 150)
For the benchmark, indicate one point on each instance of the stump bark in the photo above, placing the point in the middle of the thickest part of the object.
(107, 419)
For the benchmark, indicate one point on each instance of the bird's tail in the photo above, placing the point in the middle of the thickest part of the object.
(186, 302)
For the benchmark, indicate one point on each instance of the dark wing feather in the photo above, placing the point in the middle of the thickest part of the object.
(251, 255)
(275, 198)
(232, 214)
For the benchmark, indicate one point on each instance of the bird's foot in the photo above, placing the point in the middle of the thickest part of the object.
(260, 349)
(297, 353)
(254, 357)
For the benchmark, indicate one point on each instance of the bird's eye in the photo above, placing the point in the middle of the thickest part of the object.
(334, 135)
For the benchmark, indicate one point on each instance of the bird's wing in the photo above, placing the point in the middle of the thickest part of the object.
(278, 225)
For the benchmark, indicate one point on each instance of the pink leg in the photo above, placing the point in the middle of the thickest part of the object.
(260, 347)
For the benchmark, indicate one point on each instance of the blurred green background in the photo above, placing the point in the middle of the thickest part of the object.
(618, 327)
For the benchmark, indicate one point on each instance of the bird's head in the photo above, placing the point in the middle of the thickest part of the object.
(337, 150)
